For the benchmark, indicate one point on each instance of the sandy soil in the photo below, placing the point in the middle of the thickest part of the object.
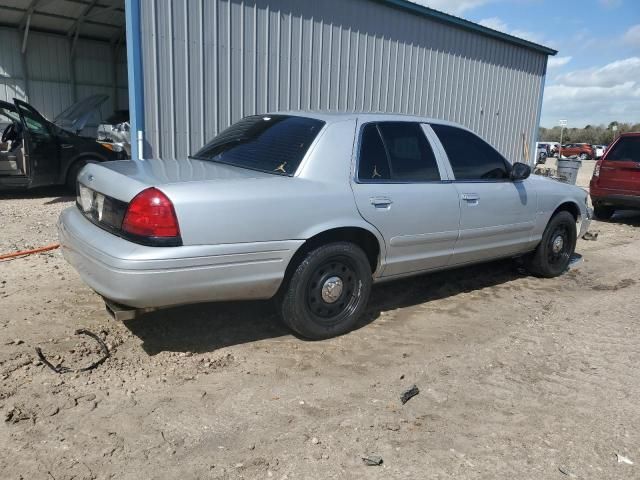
(519, 377)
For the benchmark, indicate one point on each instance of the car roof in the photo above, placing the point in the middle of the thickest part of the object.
(332, 117)
(630, 134)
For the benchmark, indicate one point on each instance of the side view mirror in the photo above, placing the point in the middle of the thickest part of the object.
(520, 171)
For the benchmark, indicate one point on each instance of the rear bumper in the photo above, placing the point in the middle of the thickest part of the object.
(615, 200)
(149, 277)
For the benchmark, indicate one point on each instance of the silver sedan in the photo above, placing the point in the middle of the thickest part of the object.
(311, 209)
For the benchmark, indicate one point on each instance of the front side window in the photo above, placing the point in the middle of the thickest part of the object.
(268, 143)
(471, 157)
(626, 150)
(35, 123)
(396, 151)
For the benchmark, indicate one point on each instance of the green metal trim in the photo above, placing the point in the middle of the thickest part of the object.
(466, 24)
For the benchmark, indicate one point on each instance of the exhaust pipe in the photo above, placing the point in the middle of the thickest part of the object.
(122, 312)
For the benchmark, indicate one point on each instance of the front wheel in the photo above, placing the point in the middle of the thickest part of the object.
(328, 291)
(72, 174)
(552, 256)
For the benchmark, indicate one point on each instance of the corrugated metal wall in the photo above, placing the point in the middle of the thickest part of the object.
(48, 62)
(207, 63)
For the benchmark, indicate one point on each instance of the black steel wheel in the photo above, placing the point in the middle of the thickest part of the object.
(328, 291)
(553, 254)
(72, 174)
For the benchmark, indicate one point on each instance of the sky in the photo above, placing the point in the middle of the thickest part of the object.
(595, 76)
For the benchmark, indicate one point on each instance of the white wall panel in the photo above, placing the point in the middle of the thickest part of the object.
(50, 84)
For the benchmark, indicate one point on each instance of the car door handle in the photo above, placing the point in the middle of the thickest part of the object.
(471, 197)
(381, 202)
(66, 145)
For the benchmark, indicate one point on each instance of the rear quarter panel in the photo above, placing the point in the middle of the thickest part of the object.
(316, 199)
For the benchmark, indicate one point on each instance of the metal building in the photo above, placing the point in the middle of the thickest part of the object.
(56, 52)
(195, 66)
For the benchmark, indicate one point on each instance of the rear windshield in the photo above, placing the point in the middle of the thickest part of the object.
(268, 143)
(626, 150)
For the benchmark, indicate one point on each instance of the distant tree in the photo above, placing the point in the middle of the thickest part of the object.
(592, 134)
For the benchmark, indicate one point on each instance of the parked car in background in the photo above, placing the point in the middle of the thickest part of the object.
(582, 150)
(117, 130)
(543, 151)
(553, 148)
(598, 151)
(36, 152)
(283, 205)
(615, 183)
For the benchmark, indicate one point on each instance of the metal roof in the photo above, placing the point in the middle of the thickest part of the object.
(466, 24)
(105, 19)
(95, 19)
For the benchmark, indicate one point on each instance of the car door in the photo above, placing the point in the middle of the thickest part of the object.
(620, 168)
(41, 145)
(401, 188)
(497, 215)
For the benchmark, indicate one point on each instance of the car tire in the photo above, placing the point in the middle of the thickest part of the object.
(328, 291)
(72, 174)
(553, 254)
(603, 212)
(584, 156)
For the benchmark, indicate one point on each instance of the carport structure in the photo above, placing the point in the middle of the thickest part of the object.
(56, 52)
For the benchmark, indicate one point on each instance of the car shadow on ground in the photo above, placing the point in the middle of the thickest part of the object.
(626, 217)
(60, 194)
(208, 327)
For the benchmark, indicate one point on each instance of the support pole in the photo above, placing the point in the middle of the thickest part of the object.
(134, 71)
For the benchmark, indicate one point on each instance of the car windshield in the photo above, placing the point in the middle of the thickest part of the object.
(268, 143)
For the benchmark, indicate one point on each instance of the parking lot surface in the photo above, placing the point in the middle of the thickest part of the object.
(519, 377)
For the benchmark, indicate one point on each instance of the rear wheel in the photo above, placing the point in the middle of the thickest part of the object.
(551, 257)
(328, 291)
(603, 212)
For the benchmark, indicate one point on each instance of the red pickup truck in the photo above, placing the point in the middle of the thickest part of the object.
(615, 184)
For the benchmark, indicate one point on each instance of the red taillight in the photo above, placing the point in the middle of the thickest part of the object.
(151, 214)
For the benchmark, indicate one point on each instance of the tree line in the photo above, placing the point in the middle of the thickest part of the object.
(592, 134)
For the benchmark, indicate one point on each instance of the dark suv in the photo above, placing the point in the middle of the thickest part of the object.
(35, 152)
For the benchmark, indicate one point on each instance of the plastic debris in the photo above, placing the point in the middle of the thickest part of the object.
(592, 236)
(409, 394)
(623, 459)
(372, 460)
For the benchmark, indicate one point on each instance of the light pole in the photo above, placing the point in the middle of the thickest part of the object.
(563, 123)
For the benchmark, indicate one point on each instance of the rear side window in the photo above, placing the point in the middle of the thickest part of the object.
(268, 143)
(396, 151)
(627, 149)
(471, 157)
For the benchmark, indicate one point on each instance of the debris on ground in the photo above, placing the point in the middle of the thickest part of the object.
(409, 394)
(623, 459)
(62, 369)
(372, 460)
(565, 471)
(16, 414)
(592, 236)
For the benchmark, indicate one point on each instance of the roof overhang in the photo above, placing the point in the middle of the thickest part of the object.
(92, 19)
(466, 25)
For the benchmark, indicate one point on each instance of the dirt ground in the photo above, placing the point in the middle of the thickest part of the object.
(519, 377)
